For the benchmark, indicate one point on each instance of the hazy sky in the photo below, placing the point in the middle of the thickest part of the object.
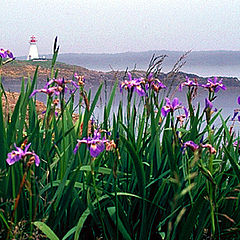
(110, 26)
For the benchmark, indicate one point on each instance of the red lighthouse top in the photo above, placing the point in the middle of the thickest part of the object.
(33, 39)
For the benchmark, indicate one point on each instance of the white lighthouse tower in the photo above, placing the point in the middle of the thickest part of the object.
(33, 52)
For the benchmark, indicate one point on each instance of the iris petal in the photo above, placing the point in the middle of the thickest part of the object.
(175, 103)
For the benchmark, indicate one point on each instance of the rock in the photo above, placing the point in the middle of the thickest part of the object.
(12, 98)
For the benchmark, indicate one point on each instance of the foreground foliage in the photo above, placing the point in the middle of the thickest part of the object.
(154, 169)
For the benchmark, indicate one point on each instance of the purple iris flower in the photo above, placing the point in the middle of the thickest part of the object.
(211, 149)
(80, 79)
(59, 82)
(95, 144)
(171, 107)
(237, 144)
(14, 156)
(208, 104)
(123, 85)
(155, 83)
(20, 153)
(62, 83)
(9, 54)
(55, 112)
(150, 76)
(139, 90)
(209, 109)
(214, 85)
(49, 91)
(127, 84)
(5, 53)
(188, 83)
(193, 146)
(186, 111)
(159, 83)
(133, 83)
(236, 111)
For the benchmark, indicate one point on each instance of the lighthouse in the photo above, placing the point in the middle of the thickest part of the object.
(33, 52)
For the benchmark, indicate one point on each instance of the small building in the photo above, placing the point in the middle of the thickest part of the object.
(33, 51)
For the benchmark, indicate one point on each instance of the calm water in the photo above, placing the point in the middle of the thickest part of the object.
(203, 70)
(206, 71)
(227, 100)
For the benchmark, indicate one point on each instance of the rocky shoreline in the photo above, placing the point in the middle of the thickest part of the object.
(9, 102)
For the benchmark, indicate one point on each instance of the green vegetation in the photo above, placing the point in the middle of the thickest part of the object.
(44, 64)
(159, 177)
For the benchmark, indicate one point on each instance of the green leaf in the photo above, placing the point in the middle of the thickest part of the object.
(12, 126)
(189, 223)
(137, 164)
(58, 193)
(226, 129)
(102, 170)
(81, 222)
(4, 220)
(46, 230)
(3, 143)
(122, 229)
(33, 82)
(207, 174)
(233, 163)
(113, 93)
(55, 53)
(69, 233)
(87, 212)
(141, 128)
(93, 105)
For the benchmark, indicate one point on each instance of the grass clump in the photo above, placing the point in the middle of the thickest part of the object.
(153, 169)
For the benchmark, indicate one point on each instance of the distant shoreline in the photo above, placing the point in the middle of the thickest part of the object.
(203, 63)
(18, 69)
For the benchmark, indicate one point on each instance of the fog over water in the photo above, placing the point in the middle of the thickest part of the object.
(208, 71)
(202, 63)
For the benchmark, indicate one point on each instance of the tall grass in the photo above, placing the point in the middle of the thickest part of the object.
(149, 186)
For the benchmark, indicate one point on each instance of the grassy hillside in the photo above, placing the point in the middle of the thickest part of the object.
(22, 68)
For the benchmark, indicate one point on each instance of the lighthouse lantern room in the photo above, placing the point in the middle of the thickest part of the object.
(33, 51)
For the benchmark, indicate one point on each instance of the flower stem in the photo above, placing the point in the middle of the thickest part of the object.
(99, 206)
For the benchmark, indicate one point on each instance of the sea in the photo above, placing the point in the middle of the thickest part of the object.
(226, 100)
